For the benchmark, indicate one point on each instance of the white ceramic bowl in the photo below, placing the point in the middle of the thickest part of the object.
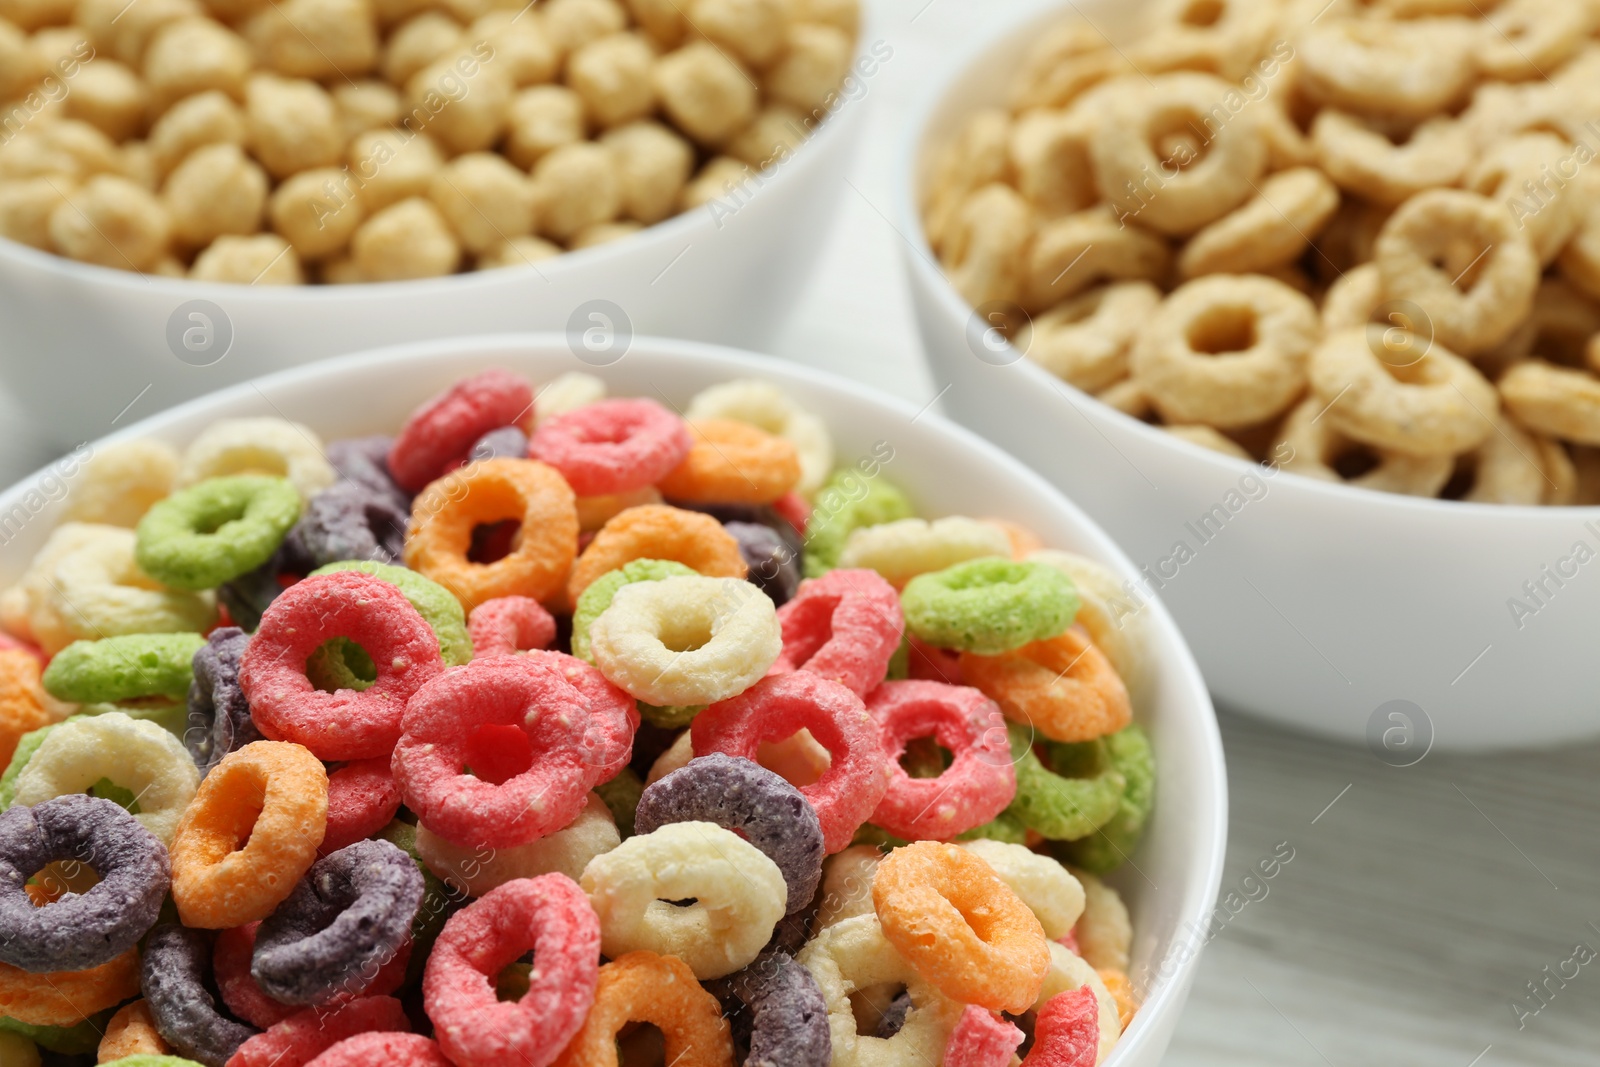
(1170, 886)
(1351, 614)
(726, 272)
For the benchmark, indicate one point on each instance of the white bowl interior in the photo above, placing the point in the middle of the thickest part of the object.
(1171, 883)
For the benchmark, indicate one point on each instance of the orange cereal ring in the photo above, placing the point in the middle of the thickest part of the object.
(661, 990)
(67, 998)
(732, 463)
(963, 929)
(271, 797)
(656, 531)
(1121, 990)
(131, 1032)
(1063, 686)
(1023, 540)
(490, 491)
(22, 699)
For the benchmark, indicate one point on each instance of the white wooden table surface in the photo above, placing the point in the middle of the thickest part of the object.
(1419, 902)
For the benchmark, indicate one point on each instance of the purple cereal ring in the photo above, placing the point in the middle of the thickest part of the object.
(365, 461)
(248, 596)
(219, 714)
(760, 514)
(742, 795)
(346, 918)
(352, 521)
(789, 1017)
(508, 442)
(78, 931)
(893, 1018)
(174, 979)
(774, 566)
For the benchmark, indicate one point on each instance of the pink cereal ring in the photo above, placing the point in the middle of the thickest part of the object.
(613, 446)
(1066, 1032)
(981, 1039)
(554, 728)
(979, 782)
(344, 725)
(440, 433)
(795, 508)
(844, 626)
(383, 1050)
(778, 706)
(548, 914)
(362, 799)
(230, 961)
(507, 625)
(306, 1034)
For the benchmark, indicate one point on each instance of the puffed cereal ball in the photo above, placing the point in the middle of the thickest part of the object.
(292, 124)
(317, 211)
(202, 119)
(110, 97)
(26, 207)
(813, 67)
(315, 38)
(652, 165)
(543, 118)
(752, 30)
(64, 50)
(112, 222)
(845, 14)
(31, 14)
(613, 75)
(405, 240)
(661, 20)
(571, 24)
(217, 190)
(417, 42)
(775, 133)
(192, 55)
(139, 165)
(719, 177)
(484, 198)
(68, 148)
(523, 51)
(464, 102)
(518, 252)
(575, 186)
(127, 30)
(603, 233)
(233, 12)
(391, 165)
(20, 66)
(366, 105)
(708, 95)
(342, 271)
(260, 259)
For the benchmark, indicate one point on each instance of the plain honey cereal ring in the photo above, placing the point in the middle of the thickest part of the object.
(1062, 686)
(438, 435)
(1208, 438)
(1273, 229)
(846, 885)
(270, 797)
(1376, 66)
(1315, 448)
(1361, 159)
(507, 625)
(131, 1032)
(975, 157)
(984, 242)
(1065, 60)
(1471, 236)
(732, 462)
(1352, 300)
(1085, 341)
(1579, 261)
(111, 222)
(1225, 41)
(118, 483)
(1559, 401)
(1071, 254)
(274, 447)
(843, 626)
(575, 187)
(705, 92)
(475, 870)
(1104, 932)
(67, 998)
(662, 991)
(765, 407)
(447, 511)
(612, 446)
(659, 532)
(1531, 37)
(1226, 351)
(1550, 221)
(1435, 404)
(1507, 468)
(1049, 151)
(1152, 164)
(1045, 886)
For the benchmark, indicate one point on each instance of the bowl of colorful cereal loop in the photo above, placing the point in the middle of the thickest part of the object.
(208, 192)
(1298, 335)
(710, 681)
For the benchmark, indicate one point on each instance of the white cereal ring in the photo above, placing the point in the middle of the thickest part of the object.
(595, 511)
(1269, 231)
(1041, 883)
(1069, 971)
(1489, 273)
(798, 759)
(23, 605)
(905, 548)
(1226, 350)
(764, 406)
(270, 446)
(567, 392)
(1315, 449)
(1559, 401)
(1358, 155)
(121, 481)
(853, 955)
(1376, 66)
(1080, 251)
(738, 896)
(1115, 620)
(728, 629)
(1105, 933)
(679, 753)
(847, 885)
(1085, 341)
(140, 757)
(568, 851)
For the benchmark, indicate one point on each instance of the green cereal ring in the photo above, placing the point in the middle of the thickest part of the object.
(597, 598)
(1106, 849)
(900, 662)
(849, 501)
(171, 715)
(669, 716)
(27, 745)
(876, 836)
(989, 606)
(1003, 827)
(76, 1040)
(124, 668)
(439, 902)
(205, 535)
(621, 797)
(340, 664)
(1073, 798)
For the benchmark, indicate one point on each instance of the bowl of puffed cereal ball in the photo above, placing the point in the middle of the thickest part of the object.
(778, 723)
(1302, 301)
(194, 192)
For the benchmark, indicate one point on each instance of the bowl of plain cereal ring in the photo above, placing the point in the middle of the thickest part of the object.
(770, 719)
(194, 192)
(1302, 301)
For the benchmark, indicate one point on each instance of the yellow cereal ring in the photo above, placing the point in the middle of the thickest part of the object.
(1048, 889)
(1069, 971)
(655, 531)
(121, 481)
(732, 463)
(1105, 933)
(847, 885)
(568, 851)
(905, 548)
(275, 447)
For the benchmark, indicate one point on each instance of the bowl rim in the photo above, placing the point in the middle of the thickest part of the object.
(1208, 847)
(924, 268)
(835, 125)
